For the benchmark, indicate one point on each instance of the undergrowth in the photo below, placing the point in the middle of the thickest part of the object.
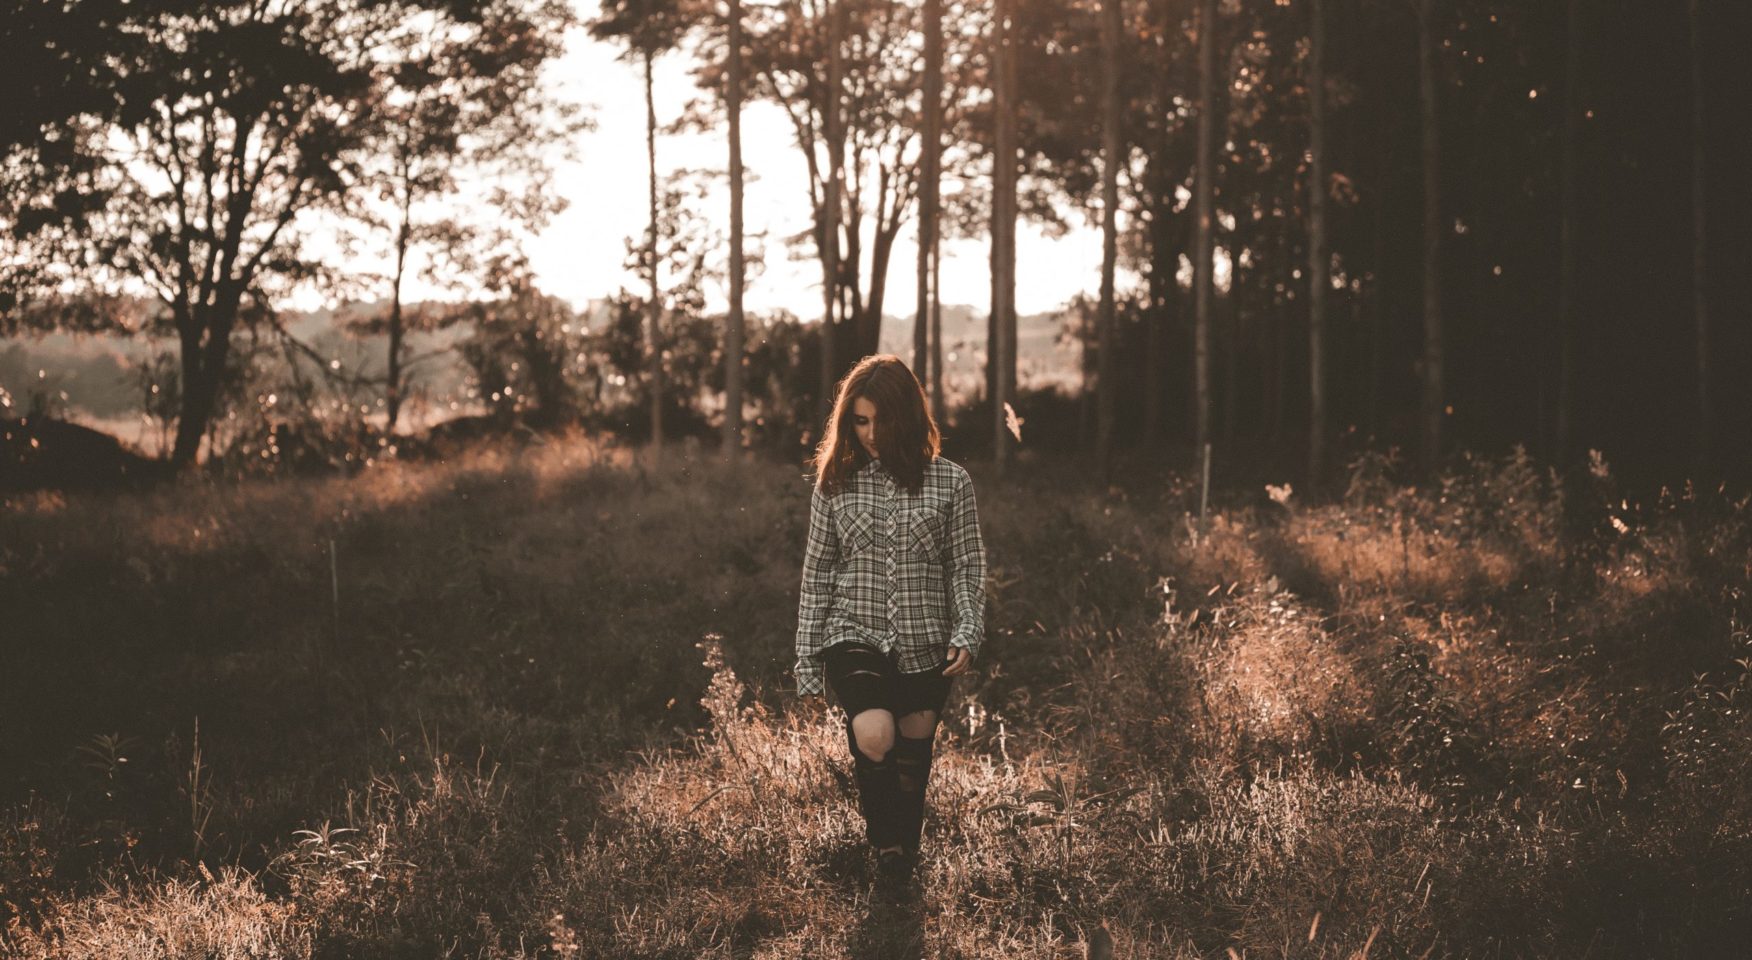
(534, 702)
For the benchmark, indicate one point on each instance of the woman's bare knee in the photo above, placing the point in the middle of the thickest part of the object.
(918, 725)
(874, 732)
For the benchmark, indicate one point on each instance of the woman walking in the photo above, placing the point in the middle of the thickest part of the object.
(892, 604)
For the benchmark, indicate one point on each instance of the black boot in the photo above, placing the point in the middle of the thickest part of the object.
(912, 761)
(877, 795)
(894, 874)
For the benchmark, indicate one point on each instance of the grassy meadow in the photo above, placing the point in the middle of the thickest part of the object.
(533, 702)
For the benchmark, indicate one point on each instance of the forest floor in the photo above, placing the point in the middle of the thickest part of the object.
(534, 702)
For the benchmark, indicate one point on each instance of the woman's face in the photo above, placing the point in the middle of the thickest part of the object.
(864, 423)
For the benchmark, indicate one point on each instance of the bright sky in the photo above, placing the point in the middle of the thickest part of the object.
(580, 254)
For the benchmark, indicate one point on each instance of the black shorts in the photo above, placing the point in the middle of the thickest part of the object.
(865, 678)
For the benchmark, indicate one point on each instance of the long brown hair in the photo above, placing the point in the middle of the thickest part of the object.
(907, 439)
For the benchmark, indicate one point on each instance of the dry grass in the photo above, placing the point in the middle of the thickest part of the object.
(547, 717)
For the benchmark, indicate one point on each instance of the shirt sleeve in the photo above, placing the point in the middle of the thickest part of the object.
(967, 570)
(820, 557)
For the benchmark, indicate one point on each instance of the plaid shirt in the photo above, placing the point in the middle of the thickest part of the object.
(903, 572)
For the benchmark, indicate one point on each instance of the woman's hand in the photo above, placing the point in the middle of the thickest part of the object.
(959, 661)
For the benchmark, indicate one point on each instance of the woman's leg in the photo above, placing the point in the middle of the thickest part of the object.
(911, 757)
(912, 766)
(922, 696)
(860, 677)
(871, 733)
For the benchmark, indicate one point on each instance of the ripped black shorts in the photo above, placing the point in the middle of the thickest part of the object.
(865, 678)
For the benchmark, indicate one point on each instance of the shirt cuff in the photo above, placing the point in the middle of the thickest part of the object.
(967, 640)
(809, 682)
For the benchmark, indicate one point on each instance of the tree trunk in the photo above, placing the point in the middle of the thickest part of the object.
(991, 358)
(1154, 318)
(1266, 340)
(1278, 378)
(1377, 308)
(1086, 360)
(1163, 288)
(733, 335)
(869, 327)
(1432, 238)
(205, 333)
(1202, 197)
(860, 329)
(1699, 243)
(937, 407)
(1112, 24)
(653, 309)
(990, 370)
(1566, 250)
(830, 207)
(1012, 57)
(1002, 347)
(193, 411)
(929, 150)
(1319, 258)
(1233, 313)
(393, 391)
